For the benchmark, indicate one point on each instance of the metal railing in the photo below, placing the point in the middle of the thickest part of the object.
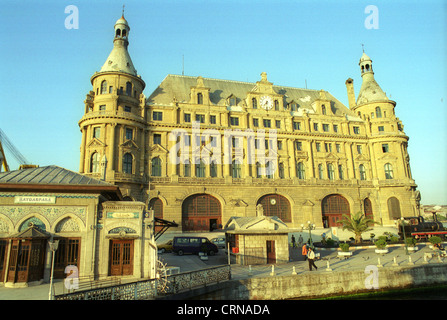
(148, 289)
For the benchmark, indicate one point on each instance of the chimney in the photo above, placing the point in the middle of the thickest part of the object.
(351, 95)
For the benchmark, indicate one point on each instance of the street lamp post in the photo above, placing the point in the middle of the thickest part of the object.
(403, 232)
(53, 247)
(310, 226)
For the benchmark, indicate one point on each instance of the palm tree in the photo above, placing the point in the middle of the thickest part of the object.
(357, 223)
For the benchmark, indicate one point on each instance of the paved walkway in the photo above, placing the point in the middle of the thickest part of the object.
(358, 261)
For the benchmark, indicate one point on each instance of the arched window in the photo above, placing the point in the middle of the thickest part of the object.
(300, 172)
(320, 171)
(254, 103)
(213, 169)
(333, 207)
(258, 170)
(362, 172)
(128, 88)
(200, 169)
(388, 171)
(201, 212)
(393, 208)
(269, 169)
(127, 163)
(276, 205)
(124, 33)
(236, 169)
(323, 109)
(199, 98)
(156, 167)
(118, 33)
(276, 105)
(187, 168)
(378, 112)
(281, 170)
(330, 171)
(95, 163)
(103, 87)
(340, 172)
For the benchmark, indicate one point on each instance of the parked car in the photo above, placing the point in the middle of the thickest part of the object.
(165, 247)
(193, 245)
(219, 242)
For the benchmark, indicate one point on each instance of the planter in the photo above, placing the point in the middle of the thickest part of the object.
(413, 249)
(382, 251)
(345, 254)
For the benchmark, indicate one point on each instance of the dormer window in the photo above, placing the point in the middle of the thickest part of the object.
(199, 98)
(323, 109)
(232, 101)
(254, 103)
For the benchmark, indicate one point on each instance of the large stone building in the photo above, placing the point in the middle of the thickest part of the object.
(199, 151)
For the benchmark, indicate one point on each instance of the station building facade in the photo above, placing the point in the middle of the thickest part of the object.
(199, 151)
(98, 234)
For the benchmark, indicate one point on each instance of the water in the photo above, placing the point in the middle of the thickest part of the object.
(427, 293)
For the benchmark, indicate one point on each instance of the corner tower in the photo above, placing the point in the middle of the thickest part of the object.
(114, 123)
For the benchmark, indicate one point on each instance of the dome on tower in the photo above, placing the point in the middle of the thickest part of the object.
(119, 59)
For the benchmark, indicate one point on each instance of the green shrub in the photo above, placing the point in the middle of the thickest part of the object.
(435, 240)
(344, 247)
(381, 243)
(330, 242)
(411, 242)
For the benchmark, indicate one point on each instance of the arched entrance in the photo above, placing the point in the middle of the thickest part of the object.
(276, 205)
(333, 207)
(157, 205)
(367, 209)
(394, 208)
(201, 212)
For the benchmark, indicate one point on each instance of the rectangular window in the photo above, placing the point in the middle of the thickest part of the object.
(325, 127)
(267, 123)
(381, 129)
(200, 118)
(278, 124)
(317, 146)
(298, 145)
(315, 126)
(97, 132)
(234, 121)
(187, 117)
(102, 108)
(279, 145)
(296, 125)
(127, 109)
(359, 149)
(356, 130)
(157, 138)
(335, 127)
(129, 133)
(337, 147)
(213, 119)
(157, 116)
(385, 148)
(255, 122)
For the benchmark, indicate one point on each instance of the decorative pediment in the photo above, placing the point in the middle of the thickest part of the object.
(96, 143)
(331, 156)
(308, 203)
(158, 149)
(238, 203)
(129, 144)
(362, 157)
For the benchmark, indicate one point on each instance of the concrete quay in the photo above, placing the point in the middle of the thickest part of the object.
(295, 273)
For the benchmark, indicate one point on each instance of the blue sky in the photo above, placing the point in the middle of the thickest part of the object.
(46, 68)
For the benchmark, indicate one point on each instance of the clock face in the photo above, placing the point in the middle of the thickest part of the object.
(266, 102)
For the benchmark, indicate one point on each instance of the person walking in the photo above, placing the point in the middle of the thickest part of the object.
(304, 251)
(293, 241)
(311, 258)
(300, 240)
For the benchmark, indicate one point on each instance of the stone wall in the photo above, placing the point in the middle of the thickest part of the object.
(310, 285)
